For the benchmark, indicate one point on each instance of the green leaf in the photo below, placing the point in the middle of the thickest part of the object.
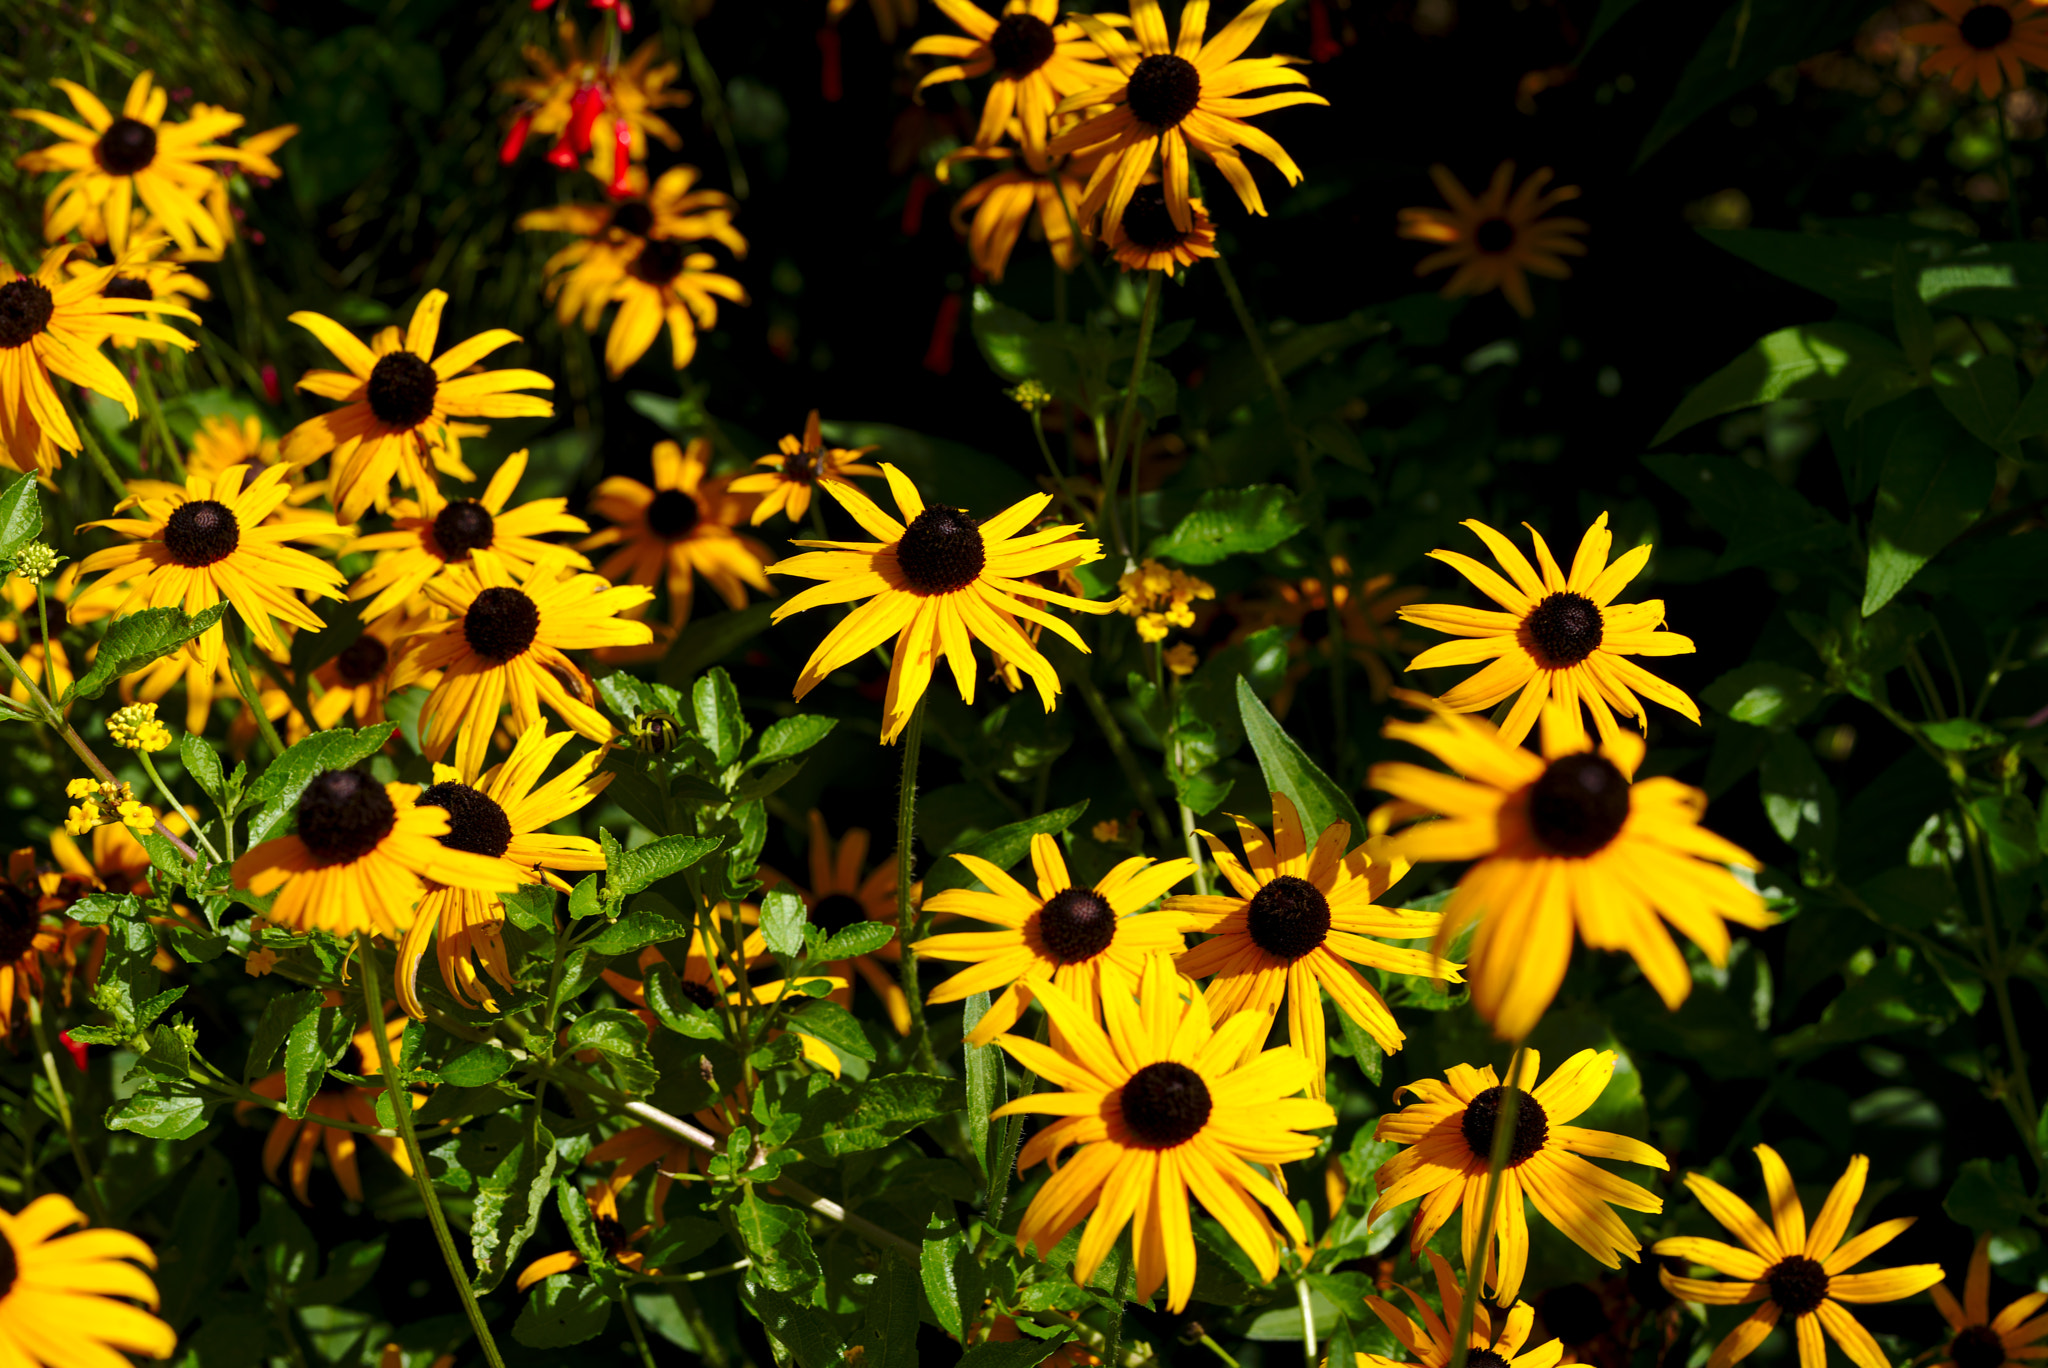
(1848, 270)
(1811, 361)
(1765, 694)
(631, 871)
(2030, 419)
(21, 516)
(708, 640)
(778, 1239)
(513, 1170)
(862, 938)
(1911, 317)
(1016, 1353)
(1934, 484)
(1980, 392)
(1798, 799)
(791, 736)
(1228, 522)
(1988, 1196)
(782, 922)
(829, 1022)
(810, 1338)
(315, 1042)
(892, 1315)
(204, 1232)
(1963, 734)
(138, 639)
(720, 722)
(562, 1311)
(987, 1086)
(202, 762)
(874, 1113)
(1287, 769)
(636, 930)
(280, 1015)
(674, 1010)
(952, 1280)
(1002, 848)
(1765, 522)
(476, 1066)
(277, 790)
(165, 1109)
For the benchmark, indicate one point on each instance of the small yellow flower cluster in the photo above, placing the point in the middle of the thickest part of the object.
(135, 727)
(1031, 396)
(94, 800)
(35, 561)
(1162, 599)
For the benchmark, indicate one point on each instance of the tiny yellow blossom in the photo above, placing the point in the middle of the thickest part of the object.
(260, 962)
(136, 727)
(1031, 396)
(140, 816)
(1108, 831)
(35, 561)
(1181, 659)
(82, 788)
(82, 819)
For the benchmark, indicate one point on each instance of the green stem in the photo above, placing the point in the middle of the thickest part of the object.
(153, 406)
(401, 1111)
(906, 819)
(1308, 1320)
(49, 654)
(63, 1101)
(701, 1275)
(1496, 1162)
(1059, 188)
(633, 1324)
(93, 452)
(1120, 746)
(171, 803)
(238, 666)
(1059, 479)
(1213, 1347)
(1996, 971)
(1147, 317)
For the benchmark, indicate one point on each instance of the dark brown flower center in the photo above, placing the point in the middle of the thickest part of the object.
(836, 912)
(1147, 222)
(1494, 235)
(1977, 1346)
(1579, 805)
(1288, 918)
(1164, 89)
(673, 513)
(25, 309)
(343, 814)
(201, 533)
(19, 922)
(1986, 27)
(633, 217)
(462, 527)
(402, 389)
(351, 1062)
(611, 1236)
(658, 261)
(475, 821)
(1485, 1358)
(1573, 1313)
(32, 622)
(128, 287)
(1562, 630)
(501, 623)
(10, 1266)
(361, 661)
(699, 993)
(1166, 1104)
(803, 467)
(1798, 1284)
(126, 147)
(1076, 925)
(1482, 1118)
(1021, 44)
(941, 550)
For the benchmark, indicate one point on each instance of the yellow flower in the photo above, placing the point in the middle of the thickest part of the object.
(803, 463)
(135, 727)
(139, 816)
(81, 788)
(259, 963)
(1986, 43)
(1181, 659)
(1980, 1339)
(60, 1308)
(937, 582)
(112, 162)
(1037, 61)
(398, 398)
(1434, 1342)
(1005, 202)
(1147, 238)
(1494, 239)
(678, 530)
(1798, 1274)
(82, 818)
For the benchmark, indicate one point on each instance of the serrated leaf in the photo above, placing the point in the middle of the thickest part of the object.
(202, 762)
(630, 871)
(562, 1311)
(635, 931)
(721, 724)
(277, 790)
(778, 1239)
(314, 1041)
(138, 639)
(677, 1012)
(782, 922)
(862, 938)
(1229, 522)
(21, 516)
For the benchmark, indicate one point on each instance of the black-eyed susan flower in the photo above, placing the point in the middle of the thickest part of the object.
(66, 1300)
(1563, 843)
(1172, 1109)
(1449, 1135)
(1498, 238)
(660, 282)
(1555, 635)
(215, 540)
(335, 1100)
(1800, 1275)
(111, 162)
(707, 979)
(1434, 1341)
(397, 399)
(1147, 238)
(788, 476)
(52, 324)
(1005, 202)
(143, 272)
(1296, 923)
(504, 816)
(357, 680)
(937, 582)
(1168, 98)
(1369, 629)
(222, 440)
(1981, 1340)
(612, 1237)
(432, 533)
(672, 208)
(505, 643)
(362, 856)
(678, 530)
(1037, 61)
(1986, 43)
(845, 892)
(1086, 940)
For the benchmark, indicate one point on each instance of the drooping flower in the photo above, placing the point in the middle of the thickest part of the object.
(937, 582)
(1086, 940)
(1554, 635)
(791, 474)
(1496, 239)
(66, 1300)
(143, 272)
(1450, 1134)
(1169, 98)
(1798, 1274)
(1005, 202)
(1147, 238)
(1563, 843)
(682, 528)
(1298, 922)
(397, 397)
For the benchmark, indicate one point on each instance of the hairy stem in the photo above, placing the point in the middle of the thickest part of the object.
(1496, 1163)
(909, 934)
(171, 803)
